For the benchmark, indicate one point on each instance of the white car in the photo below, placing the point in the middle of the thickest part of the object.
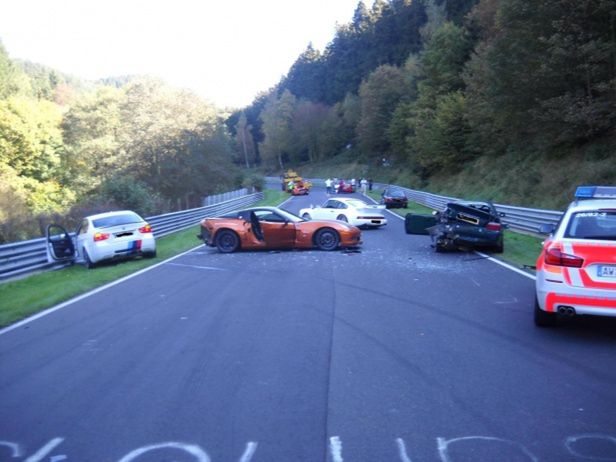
(353, 211)
(106, 236)
(576, 271)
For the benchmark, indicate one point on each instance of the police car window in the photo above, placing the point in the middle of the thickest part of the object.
(592, 225)
(330, 205)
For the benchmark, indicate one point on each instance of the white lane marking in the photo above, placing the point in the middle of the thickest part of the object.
(198, 267)
(14, 447)
(92, 292)
(251, 447)
(507, 265)
(191, 449)
(41, 453)
(402, 450)
(57, 458)
(571, 440)
(443, 446)
(285, 201)
(335, 446)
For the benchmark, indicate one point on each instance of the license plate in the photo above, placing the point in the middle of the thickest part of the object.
(606, 271)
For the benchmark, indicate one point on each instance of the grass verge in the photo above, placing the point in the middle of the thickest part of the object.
(22, 298)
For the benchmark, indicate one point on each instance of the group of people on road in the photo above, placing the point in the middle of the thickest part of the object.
(333, 186)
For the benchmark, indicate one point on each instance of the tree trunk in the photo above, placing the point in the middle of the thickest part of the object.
(245, 149)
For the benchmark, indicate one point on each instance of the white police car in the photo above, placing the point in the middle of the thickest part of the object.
(106, 236)
(576, 270)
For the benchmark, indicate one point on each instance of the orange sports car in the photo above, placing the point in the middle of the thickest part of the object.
(274, 228)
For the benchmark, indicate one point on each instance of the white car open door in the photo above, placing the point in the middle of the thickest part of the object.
(60, 244)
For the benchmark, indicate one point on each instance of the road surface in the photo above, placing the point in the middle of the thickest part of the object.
(392, 354)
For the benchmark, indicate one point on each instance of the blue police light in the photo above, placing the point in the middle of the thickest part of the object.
(585, 192)
(595, 192)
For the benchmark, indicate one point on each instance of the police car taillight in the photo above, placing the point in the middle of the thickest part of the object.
(493, 226)
(558, 258)
(145, 229)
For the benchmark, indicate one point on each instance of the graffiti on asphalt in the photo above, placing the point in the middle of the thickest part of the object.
(582, 447)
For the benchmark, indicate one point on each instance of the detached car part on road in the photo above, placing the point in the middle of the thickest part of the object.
(576, 270)
(463, 224)
(274, 228)
(350, 210)
(106, 236)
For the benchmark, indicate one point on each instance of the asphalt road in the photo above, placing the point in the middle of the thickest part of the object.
(394, 353)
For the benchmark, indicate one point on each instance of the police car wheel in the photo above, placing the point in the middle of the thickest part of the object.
(544, 318)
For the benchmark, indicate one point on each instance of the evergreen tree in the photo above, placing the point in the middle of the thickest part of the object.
(305, 78)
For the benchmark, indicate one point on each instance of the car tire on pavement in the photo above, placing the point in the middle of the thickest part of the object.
(86, 259)
(544, 318)
(342, 218)
(327, 239)
(306, 216)
(227, 241)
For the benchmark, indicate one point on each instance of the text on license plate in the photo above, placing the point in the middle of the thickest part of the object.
(606, 271)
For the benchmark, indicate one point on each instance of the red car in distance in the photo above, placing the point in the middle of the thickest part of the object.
(344, 187)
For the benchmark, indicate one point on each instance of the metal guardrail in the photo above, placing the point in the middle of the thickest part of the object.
(224, 197)
(21, 258)
(518, 218)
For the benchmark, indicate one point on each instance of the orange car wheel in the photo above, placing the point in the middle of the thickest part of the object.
(327, 239)
(227, 241)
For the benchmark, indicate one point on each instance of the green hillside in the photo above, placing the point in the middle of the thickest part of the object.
(509, 100)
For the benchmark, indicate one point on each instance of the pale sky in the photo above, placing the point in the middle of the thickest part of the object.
(226, 51)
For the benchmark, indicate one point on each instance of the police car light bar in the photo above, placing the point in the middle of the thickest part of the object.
(595, 192)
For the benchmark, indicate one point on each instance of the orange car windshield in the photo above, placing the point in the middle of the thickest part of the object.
(291, 217)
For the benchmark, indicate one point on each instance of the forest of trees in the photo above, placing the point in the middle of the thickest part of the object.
(519, 94)
(441, 86)
(69, 147)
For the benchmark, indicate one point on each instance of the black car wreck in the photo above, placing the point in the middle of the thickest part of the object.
(462, 224)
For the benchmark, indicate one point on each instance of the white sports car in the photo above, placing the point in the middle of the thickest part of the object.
(353, 211)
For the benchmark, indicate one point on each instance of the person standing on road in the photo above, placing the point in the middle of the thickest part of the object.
(328, 185)
(364, 185)
(370, 184)
(353, 184)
